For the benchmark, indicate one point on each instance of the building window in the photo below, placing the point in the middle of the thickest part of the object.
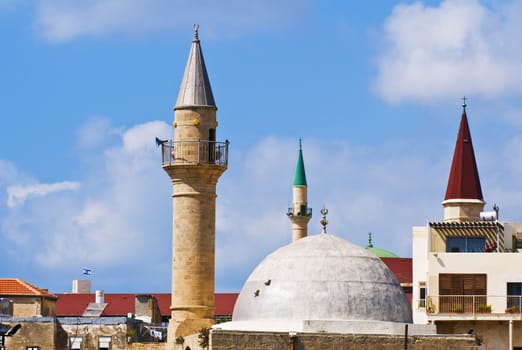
(465, 244)
(32, 348)
(422, 295)
(104, 343)
(462, 292)
(76, 343)
(514, 297)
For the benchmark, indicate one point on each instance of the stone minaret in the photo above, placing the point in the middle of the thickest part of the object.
(463, 200)
(194, 161)
(299, 214)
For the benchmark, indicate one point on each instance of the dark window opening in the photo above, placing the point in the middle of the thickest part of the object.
(514, 297)
(465, 244)
(211, 145)
(422, 296)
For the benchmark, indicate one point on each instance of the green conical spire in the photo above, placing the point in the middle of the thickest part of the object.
(300, 175)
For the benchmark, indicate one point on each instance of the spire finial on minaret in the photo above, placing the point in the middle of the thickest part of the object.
(300, 145)
(195, 87)
(324, 221)
(370, 244)
(196, 30)
(464, 105)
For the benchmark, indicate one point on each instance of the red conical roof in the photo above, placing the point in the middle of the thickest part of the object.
(464, 182)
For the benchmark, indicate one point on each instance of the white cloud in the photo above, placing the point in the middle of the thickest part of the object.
(97, 132)
(62, 20)
(18, 194)
(118, 216)
(460, 47)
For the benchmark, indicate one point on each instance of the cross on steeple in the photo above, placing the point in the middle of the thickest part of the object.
(464, 103)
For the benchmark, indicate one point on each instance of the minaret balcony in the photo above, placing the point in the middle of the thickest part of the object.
(194, 152)
(301, 211)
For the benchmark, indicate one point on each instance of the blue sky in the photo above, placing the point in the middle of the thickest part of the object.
(373, 88)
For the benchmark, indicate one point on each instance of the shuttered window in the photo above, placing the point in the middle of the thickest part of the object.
(462, 292)
(462, 284)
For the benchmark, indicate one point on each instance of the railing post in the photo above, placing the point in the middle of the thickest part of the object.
(162, 155)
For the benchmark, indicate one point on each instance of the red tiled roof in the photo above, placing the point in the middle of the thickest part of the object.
(401, 268)
(225, 303)
(121, 304)
(15, 286)
(463, 182)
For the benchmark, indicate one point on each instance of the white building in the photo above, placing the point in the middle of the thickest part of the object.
(467, 269)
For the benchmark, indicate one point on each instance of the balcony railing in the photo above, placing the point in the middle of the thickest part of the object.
(194, 152)
(303, 211)
(473, 304)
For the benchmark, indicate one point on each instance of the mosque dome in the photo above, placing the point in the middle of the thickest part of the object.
(322, 277)
(381, 253)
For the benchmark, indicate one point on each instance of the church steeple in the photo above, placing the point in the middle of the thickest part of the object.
(195, 87)
(463, 200)
(299, 214)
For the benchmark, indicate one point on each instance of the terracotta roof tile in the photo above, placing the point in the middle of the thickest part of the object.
(15, 286)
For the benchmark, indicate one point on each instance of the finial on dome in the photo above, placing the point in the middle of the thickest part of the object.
(196, 30)
(324, 221)
(464, 105)
(370, 244)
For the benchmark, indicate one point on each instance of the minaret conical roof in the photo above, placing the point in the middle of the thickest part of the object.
(464, 181)
(300, 175)
(195, 87)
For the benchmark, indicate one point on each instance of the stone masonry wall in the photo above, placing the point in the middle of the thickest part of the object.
(493, 334)
(231, 340)
(45, 335)
(146, 346)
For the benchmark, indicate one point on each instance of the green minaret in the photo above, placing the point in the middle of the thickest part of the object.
(299, 214)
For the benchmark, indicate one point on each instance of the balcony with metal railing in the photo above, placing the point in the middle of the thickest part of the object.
(194, 152)
(302, 211)
(472, 307)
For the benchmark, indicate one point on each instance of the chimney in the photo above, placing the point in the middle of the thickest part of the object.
(100, 297)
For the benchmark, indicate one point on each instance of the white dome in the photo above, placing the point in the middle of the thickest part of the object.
(322, 277)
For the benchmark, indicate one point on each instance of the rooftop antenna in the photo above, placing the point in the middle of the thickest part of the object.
(324, 221)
